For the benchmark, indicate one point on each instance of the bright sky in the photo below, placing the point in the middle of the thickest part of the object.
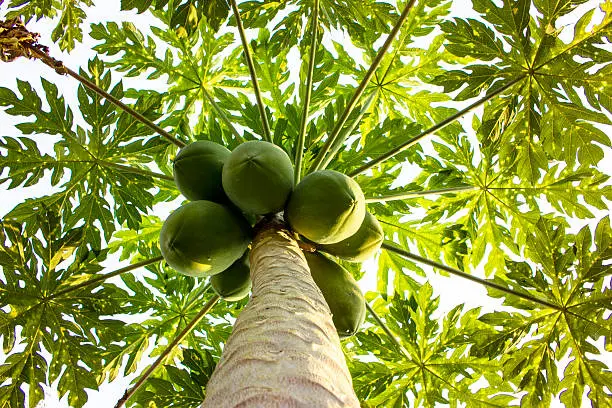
(452, 291)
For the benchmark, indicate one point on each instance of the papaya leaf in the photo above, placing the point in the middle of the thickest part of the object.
(571, 276)
(186, 14)
(82, 158)
(180, 387)
(71, 14)
(34, 296)
(436, 353)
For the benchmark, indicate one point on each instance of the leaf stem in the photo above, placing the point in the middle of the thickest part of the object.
(433, 129)
(61, 69)
(245, 46)
(348, 131)
(179, 338)
(317, 164)
(136, 170)
(221, 114)
(391, 247)
(412, 194)
(299, 150)
(106, 276)
(388, 331)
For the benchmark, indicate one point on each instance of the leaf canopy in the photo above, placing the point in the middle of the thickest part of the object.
(481, 143)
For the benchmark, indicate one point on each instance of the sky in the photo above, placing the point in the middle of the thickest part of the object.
(451, 290)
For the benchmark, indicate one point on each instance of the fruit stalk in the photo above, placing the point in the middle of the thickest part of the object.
(284, 349)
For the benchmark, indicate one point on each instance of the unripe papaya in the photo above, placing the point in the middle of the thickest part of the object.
(198, 169)
(340, 291)
(258, 177)
(234, 283)
(361, 245)
(326, 207)
(202, 238)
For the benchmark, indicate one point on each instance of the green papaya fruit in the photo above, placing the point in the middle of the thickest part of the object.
(258, 177)
(361, 245)
(326, 207)
(202, 238)
(198, 171)
(234, 283)
(340, 291)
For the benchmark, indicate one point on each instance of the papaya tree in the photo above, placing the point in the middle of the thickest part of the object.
(468, 140)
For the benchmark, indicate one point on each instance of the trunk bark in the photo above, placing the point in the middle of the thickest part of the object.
(284, 350)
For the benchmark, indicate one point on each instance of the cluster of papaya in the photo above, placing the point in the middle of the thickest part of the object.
(210, 235)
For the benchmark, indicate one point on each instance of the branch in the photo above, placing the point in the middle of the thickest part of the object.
(360, 89)
(179, 338)
(412, 194)
(299, 150)
(391, 247)
(61, 69)
(388, 331)
(221, 114)
(25, 44)
(249, 59)
(434, 128)
(108, 276)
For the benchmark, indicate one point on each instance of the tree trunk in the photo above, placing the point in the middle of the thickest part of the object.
(284, 350)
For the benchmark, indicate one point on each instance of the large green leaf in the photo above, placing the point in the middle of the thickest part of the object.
(435, 367)
(573, 278)
(83, 166)
(37, 272)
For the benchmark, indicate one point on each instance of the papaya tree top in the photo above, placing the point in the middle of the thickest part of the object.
(475, 133)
